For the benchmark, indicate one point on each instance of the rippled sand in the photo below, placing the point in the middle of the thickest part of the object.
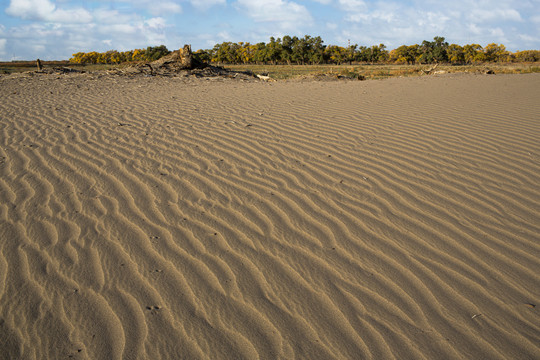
(157, 218)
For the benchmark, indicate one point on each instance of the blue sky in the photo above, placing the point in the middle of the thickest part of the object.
(49, 29)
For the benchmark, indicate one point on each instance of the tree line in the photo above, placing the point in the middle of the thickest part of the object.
(312, 50)
(151, 53)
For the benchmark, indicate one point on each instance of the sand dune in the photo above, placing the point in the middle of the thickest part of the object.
(153, 218)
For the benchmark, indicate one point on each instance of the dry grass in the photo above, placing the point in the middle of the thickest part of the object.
(22, 66)
(379, 71)
(280, 72)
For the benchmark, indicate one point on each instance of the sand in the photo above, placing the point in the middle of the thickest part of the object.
(164, 218)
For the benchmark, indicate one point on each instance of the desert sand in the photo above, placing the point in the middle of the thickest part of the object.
(165, 218)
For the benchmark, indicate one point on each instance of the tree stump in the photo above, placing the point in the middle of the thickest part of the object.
(187, 57)
(181, 59)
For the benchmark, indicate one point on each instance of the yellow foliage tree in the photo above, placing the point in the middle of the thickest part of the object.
(495, 52)
(456, 55)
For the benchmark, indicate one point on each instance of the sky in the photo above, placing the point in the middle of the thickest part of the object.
(54, 30)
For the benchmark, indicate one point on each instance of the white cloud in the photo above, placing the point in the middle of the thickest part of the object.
(433, 20)
(109, 16)
(356, 6)
(60, 40)
(224, 36)
(44, 10)
(36, 31)
(474, 29)
(164, 8)
(288, 15)
(206, 4)
(492, 15)
(528, 42)
(461, 21)
(33, 41)
(527, 38)
(371, 17)
(54, 29)
(497, 33)
(119, 29)
(154, 7)
(30, 9)
(155, 23)
(70, 16)
(358, 11)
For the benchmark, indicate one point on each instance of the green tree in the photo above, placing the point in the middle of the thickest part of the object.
(273, 50)
(226, 52)
(434, 51)
(287, 49)
(351, 53)
(202, 56)
(363, 54)
(315, 49)
(376, 54)
(299, 50)
(440, 49)
(260, 53)
(155, 52)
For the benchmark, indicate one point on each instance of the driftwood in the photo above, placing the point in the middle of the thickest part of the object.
(182, 63)
(264, 77)
(181, 59)
(59, 70)
(179, 63)
(430, 69)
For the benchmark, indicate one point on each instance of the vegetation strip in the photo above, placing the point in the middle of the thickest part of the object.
(311, 50)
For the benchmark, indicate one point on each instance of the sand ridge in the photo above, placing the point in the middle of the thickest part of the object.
(165, 218)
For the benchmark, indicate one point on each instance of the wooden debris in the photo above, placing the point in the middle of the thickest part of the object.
(264, 77)
(430, 69)
(182, 63)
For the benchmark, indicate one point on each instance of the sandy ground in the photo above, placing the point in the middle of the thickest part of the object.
(159, 218)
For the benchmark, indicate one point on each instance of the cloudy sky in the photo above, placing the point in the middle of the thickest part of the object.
(49, 29)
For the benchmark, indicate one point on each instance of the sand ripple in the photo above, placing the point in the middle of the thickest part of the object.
(162, 218)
